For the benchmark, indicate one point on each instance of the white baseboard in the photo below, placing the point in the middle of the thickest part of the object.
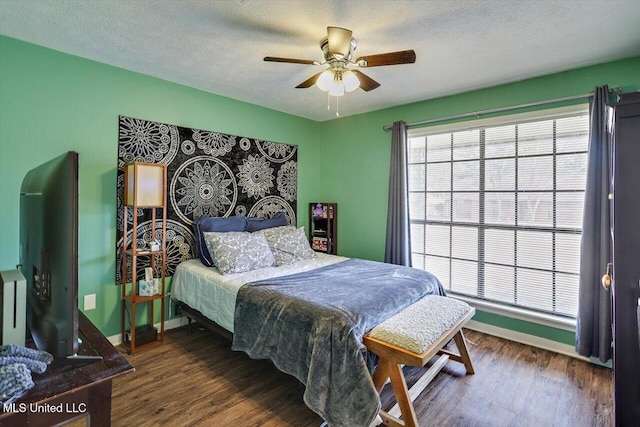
(168, 324)
(532, 340)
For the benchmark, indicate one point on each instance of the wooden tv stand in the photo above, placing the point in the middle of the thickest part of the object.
(65, 392)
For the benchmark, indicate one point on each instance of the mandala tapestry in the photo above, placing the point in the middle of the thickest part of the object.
(208, 174)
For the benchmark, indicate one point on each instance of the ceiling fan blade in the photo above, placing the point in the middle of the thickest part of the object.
(391, 58)
(309, 82)
(290, 60)
(366, 82)
(339, 40)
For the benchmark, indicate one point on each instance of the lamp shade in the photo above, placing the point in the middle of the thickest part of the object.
(144, 184)
(350, 81)
(337, 89)
(325, 81)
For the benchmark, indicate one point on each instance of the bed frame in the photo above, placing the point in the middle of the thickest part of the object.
(194, 315)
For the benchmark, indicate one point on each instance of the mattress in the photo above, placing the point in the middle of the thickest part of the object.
(214, 295)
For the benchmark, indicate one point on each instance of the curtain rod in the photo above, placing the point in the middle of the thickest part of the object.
(615, 90)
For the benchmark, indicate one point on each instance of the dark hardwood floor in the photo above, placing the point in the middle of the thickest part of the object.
(198, 380)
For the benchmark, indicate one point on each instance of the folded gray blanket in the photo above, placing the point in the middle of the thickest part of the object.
(16, 365)
(15, 381)
(311, 326)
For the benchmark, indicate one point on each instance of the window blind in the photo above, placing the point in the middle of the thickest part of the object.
(496, 211)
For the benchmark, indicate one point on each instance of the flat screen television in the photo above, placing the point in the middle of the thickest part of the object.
(49, 253)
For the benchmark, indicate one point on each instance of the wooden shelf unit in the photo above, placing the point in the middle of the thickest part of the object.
(142, 298)
(323, 227)
(130, 297)
(143, 253)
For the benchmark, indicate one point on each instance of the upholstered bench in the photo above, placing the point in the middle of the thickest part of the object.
(412, 337)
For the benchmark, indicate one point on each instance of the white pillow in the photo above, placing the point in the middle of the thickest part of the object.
(288, 244)
(237, 252)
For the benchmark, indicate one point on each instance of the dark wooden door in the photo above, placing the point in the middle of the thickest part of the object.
(626, 259)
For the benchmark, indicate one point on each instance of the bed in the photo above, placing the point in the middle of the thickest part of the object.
(308, 317)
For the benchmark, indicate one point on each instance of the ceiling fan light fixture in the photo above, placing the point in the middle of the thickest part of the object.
(350, 80)
(337, 90)
(338, 49)
(325, 81)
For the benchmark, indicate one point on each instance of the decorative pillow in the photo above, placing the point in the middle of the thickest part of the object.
(209, 224)
(288, 244)
(235, 252)
(255, 224)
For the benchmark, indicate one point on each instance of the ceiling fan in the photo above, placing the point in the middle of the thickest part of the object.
(338, 49)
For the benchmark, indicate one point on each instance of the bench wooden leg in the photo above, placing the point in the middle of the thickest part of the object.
(399, 386)
(381, 374)
(461, 343)
(463, 356)
(389, 369)
(380, 377)
(422, 383)
(390, 420)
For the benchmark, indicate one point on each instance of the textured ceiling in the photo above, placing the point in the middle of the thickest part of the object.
(218, 46)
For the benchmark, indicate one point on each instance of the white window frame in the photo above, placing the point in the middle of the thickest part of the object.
(546, 319)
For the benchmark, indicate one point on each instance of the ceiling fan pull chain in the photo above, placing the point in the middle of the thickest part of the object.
(328, 101)
(337, 106)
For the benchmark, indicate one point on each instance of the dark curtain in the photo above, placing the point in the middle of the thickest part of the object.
(593, 331)
(398, 244)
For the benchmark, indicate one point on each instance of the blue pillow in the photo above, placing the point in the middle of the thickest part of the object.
(210, 224)
(255, 224)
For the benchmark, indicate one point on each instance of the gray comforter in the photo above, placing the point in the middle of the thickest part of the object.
(311, 326)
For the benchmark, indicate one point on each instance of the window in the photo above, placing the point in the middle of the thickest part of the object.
(496, 209)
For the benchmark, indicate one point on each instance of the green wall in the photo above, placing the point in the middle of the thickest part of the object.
(51, 102)
(356, 162)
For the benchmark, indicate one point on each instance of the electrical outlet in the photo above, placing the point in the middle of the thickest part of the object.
(89, 302)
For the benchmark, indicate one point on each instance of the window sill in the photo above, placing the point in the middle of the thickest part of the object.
(550, 320)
